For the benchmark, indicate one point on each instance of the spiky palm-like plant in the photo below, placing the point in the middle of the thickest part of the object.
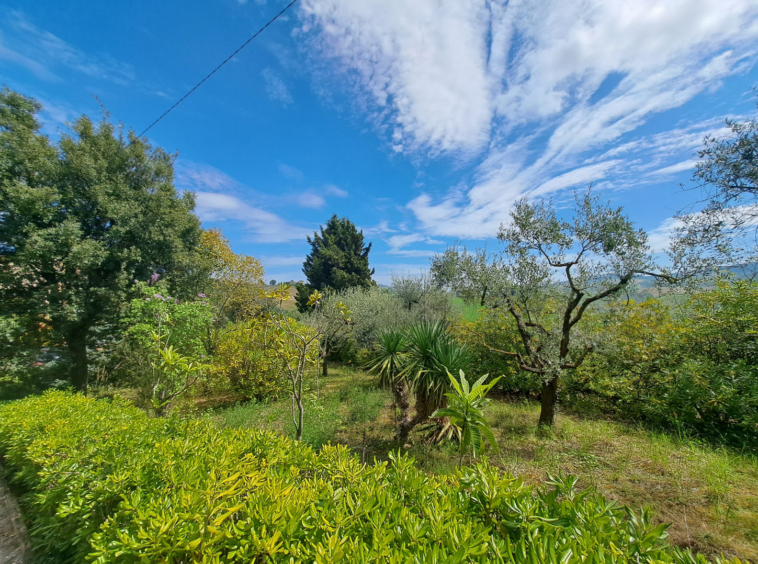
(387, 363)
(466, 415)
(432, 353)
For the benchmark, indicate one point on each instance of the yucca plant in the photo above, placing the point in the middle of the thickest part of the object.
(466, 416)
(387, 364)
(432, 353)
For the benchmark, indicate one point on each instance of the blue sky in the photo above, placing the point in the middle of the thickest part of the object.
(421, 121)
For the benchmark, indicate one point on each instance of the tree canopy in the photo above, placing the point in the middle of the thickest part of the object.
(81, 220)
(338, 259)
(724, 231)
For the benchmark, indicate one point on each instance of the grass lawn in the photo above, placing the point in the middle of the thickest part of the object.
(710, 495)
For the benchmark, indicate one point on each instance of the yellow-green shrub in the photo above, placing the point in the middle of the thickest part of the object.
(241, 363)
(244, 366)
(105, 483)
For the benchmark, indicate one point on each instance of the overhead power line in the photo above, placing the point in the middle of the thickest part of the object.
(210, 74)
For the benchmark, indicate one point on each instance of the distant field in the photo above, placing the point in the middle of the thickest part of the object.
(287, 305)
(469, 312)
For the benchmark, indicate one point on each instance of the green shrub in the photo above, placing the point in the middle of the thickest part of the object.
(105, 483)
(696, 371)
(241, 364)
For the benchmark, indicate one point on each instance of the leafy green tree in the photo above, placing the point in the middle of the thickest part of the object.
(422, 297)
(596, 256)
(81, 220)
(338, 259)
(724, 231)
(465, 412)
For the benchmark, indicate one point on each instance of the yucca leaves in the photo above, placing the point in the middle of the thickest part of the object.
(432, 353)
(388, 358)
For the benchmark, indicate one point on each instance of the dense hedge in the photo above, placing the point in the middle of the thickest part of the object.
(105, 483)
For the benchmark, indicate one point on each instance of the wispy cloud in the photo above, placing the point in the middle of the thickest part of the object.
(397, 242)
(673, 169)
(43, 53)
(333, 190)
(541, 92)
(276, 89)
(380, 229)
(220, 198)
(291, 172)
(310, 200)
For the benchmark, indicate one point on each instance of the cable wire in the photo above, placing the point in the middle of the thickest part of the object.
(229, 58)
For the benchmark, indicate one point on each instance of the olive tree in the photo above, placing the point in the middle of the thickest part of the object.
(421, 296)
(549, 273)
(724, 231)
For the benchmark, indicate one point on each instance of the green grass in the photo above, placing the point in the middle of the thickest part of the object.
(469, 312)
(710, 495)
(346, 399)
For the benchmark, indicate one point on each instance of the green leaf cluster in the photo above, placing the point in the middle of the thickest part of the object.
(466, 414)
(105, 484)
(692, 368)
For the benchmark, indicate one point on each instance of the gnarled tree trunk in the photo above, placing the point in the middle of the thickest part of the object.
(424, 408)
(400, 393)
(548, 398)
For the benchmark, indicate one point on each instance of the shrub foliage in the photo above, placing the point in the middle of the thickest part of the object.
(105, 483)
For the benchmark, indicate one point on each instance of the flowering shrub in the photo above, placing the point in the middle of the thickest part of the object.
(105, 483)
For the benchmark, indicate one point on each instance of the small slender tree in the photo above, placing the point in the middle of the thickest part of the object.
(296, 346)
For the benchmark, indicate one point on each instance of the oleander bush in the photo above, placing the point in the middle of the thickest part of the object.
(105, 483)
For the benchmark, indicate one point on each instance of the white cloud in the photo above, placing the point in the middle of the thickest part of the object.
(310, 200)
(397, 242)
(219, 197)
(265, 226)
(660, 237)
(532, 85)
(276, 89)
(333, 190)
(291, 172)
(380, 229)
(673, 169)
(421, 64)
